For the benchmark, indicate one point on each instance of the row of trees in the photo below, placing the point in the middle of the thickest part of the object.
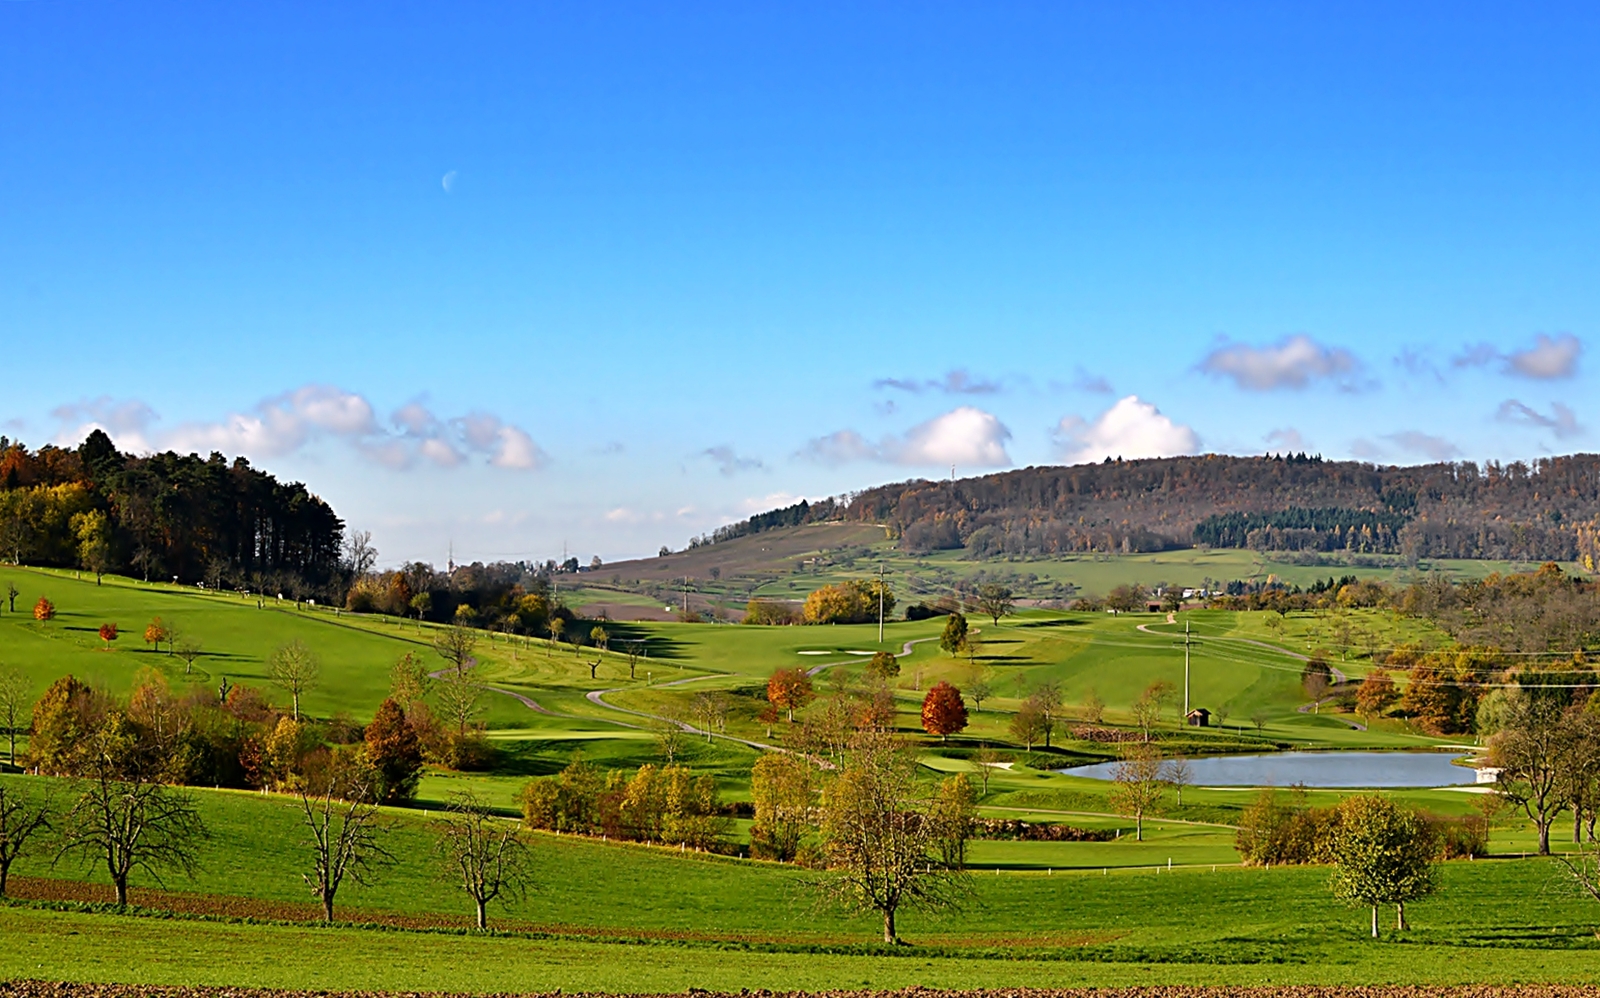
(137, 826)
(165, 515)
(236, 737)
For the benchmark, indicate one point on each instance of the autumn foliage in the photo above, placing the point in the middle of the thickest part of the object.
(44, 609)
(790, 690)
(108, 633)
(943, 711)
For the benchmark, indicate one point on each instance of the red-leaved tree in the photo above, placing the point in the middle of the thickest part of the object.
(790, 690)
(943, 711)
(108, 634)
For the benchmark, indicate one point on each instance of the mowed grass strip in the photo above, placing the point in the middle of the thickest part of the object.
(70, 946)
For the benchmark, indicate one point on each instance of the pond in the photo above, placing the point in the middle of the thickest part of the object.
(1317, 769)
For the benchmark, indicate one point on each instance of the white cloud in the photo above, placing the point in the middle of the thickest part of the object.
(1550, 358)
(126, 422)
(287, 422)
(837, 448)
(517, 450)
(1429, 446)
(1286, 439)
(964, 436)
(1547, 358)
(729, 462)
(1132, 428)
(770, 501)
(440, 452)
(1292, 362)
(958, 381)
(1562, 420)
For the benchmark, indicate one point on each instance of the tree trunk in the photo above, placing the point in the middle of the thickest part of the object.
(1544, 838)
(1400, 915)
(327, 907)
(483, 918)
(888, 926)
(297, 720)
(1577, 826)
(1138, 825)
(122, 891)
(5, 869)
(1374, 921)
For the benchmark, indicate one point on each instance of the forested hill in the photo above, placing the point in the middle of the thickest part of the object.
(1547, 510)
(165, 515)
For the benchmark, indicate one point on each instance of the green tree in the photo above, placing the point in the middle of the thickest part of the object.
(92, 531)
(878, 832)
(1383, 854)
(783, 790)
(883, 666)
(953, 639)
(955, 817)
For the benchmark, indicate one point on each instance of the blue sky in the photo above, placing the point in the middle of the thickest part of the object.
(605, 276)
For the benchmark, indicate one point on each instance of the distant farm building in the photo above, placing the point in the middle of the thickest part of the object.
(1199, 718)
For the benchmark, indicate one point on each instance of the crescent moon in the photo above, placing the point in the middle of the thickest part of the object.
(449, 181)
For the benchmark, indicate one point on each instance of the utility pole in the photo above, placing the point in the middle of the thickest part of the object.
(880, 602)
(686, 596)
(1187, 643)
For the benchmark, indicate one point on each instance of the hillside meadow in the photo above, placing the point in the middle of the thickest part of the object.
(1175, 908)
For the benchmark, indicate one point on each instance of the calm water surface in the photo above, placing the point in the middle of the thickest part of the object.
(1317, 769)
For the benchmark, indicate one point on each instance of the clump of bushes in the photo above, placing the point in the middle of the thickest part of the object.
(1037, 831)
(1279, 828)
(771, 612)
(664, 804)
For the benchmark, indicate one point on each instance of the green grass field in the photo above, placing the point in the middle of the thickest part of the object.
(1039, 913)
(726, 923)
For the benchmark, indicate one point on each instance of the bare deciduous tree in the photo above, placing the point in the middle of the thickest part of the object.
(21, 821)
(1139, 784)
(1179, 774)
(455, 644)
(346, 838)
(13, 705)
(132, 825)
(485, 856)
(359, 553)
(459, 700)
(294, 668)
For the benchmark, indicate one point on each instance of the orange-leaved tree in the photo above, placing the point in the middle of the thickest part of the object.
(790, 690)
(108, 634)
(44, 609)
(943, 711)
(155, 633)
